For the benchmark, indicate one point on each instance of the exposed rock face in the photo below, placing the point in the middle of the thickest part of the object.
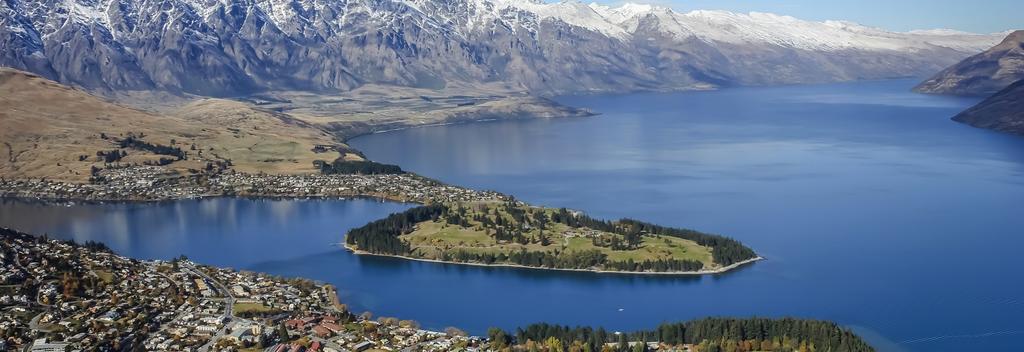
(983, 74)
(1003, 111)
(236, 47)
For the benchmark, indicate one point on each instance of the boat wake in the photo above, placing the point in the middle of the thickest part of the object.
(964, 336)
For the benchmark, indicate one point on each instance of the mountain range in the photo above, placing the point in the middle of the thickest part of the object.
(240, 47)
(983, 74)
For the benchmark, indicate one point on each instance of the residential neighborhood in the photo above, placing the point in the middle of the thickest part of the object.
(62, 296)
(153, 183)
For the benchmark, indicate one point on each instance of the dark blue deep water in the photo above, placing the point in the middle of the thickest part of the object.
(872, 207)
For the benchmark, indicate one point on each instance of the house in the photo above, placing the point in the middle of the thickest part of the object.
(362, 346)
(294, 324)
(310, 320)
(41, 345)
(243, 333)
(321, 332)
(206, 328)
(335, 328)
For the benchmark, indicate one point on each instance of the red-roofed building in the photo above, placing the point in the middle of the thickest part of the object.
(294, 324)
(314, 347)
(321, 331)
(335, 328)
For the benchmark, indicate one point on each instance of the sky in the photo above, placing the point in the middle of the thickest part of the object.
(979, 16)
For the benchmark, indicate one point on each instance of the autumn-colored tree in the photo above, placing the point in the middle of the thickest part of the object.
(454, 331)
(553, 344)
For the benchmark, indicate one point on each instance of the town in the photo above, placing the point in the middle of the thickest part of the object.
(154, 183)
(62, 296)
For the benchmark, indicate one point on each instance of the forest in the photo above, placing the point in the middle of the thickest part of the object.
(381, 236)
(572, 260)
(703, 335)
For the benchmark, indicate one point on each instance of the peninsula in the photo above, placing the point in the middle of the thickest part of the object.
(512, 233)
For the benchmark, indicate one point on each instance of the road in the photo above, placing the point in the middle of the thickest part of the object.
(229, 299)
(229, 306)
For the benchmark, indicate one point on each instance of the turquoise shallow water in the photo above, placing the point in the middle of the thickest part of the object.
(873, 209)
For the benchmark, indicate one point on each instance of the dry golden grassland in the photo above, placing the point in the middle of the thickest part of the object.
(54, 131)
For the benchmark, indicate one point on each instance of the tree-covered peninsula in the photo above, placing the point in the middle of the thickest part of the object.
(515, 234)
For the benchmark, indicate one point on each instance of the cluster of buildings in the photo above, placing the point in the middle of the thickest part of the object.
(80, 297)
(61, 296)
(143, 183)
(326, 333)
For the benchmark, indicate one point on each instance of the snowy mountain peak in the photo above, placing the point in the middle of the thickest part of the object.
(230, 47)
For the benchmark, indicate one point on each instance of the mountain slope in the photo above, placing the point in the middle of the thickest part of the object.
(983, 74)
(1003, 111)
(56, 132)
(237, 47)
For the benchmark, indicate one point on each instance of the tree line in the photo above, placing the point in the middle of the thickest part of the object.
(381, 236)
(705, 335)
(359, 167)
(159, 149)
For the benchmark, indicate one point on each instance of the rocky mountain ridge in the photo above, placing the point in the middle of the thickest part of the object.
(238, 47)
(984, 74)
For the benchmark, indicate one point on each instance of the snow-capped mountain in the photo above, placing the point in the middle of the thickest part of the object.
(231, 47)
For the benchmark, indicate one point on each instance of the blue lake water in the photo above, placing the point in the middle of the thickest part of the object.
(872, 207)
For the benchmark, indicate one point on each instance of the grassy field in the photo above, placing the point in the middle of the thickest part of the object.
(246, 307)
(432, 238)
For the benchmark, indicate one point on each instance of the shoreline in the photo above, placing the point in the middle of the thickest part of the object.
(130, 187)
(371, 130)
(722, 270)
(58, 201)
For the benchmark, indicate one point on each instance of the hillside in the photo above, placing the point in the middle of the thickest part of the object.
(1003, 111)
(240, 47)
(983, 74)
(61, 133)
